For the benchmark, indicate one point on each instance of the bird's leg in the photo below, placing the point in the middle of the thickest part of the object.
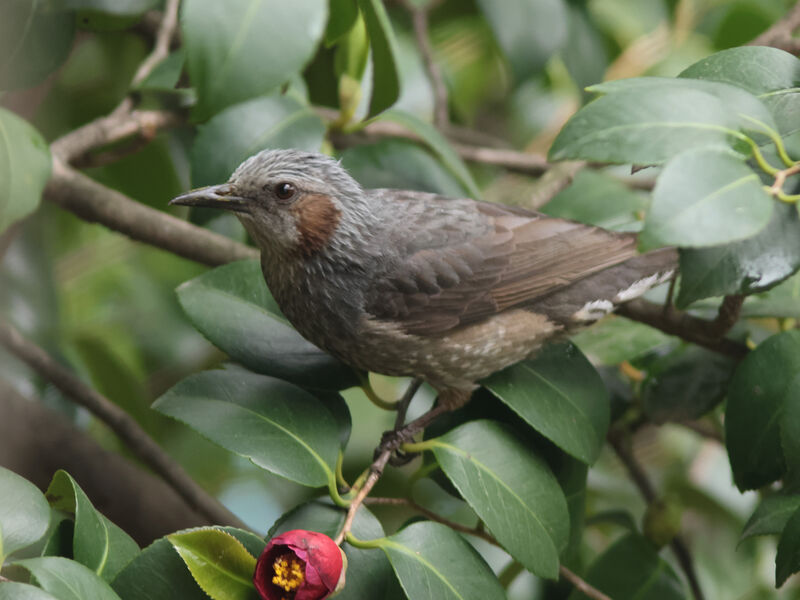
(447, 400)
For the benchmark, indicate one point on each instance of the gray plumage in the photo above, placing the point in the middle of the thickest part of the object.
(410, 283)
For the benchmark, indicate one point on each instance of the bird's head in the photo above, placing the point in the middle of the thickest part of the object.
(290, 202)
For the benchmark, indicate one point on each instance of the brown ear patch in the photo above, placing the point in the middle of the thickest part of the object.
(317, 217)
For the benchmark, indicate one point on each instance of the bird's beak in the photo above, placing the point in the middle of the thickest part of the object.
(213, 196)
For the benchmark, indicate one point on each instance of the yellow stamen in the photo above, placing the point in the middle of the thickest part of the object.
(289, 572)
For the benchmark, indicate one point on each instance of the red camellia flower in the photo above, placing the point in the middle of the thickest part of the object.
(300, 565)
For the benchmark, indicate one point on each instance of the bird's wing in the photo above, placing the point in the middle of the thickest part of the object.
(467, 261)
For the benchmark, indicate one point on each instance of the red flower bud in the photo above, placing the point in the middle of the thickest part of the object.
(300, 565)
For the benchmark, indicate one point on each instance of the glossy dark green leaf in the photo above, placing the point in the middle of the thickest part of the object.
(165, 75)
(630, 569)
(24, 168)
(439, 145)
(159, 573)
(67, 579)
(399, 164)
(571, 475)
(342, 17)
(247, 128)
(616, 339)
(35, 39)
(433, 562)
(512, 490)
(528, 31)
(763, 386)
(219, 562)
(278, 426)
(752, 113)
(96, 542)
(685, 384)
(369, 574)
(233, 308)
(560, 394)
(787, 560)
(236, 50)
(385, 70)
(24, 514)
(771, 515)
(598, 199)
(647, 126)
(771, 74)
(744, 267)
(705, 197)
(11, 590)
(782, 301)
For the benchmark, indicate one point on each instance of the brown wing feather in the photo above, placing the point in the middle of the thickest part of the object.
(506, 257)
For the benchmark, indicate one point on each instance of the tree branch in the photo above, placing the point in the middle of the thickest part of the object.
(96, 203)
(780, 34)
(698, 331)
(164, 35)
(140, 443)
(419, 18)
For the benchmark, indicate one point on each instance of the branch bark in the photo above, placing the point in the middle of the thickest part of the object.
(140, 443)
(96, 203)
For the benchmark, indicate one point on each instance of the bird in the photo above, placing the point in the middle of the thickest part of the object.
(410, 283)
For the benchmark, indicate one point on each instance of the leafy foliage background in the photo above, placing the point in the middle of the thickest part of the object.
(140, 321)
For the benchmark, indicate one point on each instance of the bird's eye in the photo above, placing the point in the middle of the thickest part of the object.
(285, 190)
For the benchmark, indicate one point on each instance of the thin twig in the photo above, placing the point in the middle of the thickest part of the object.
(621, 446)
(164, 35)
(432, 516)
(698, 331)
(419, 18)
(97, 203)
(581, 585)
(391, 441)
(129, 431)
(780, 34)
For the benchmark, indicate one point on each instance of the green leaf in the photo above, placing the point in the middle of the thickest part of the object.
(218, 562)
(705, 197)
(166, 74)
(438, 145)
(615, 339)
(278, 426)
(240, 49)
(157, 573)
(24, 168)
(647, 126)
(24, 514)
(385, 70)
(96, 542)
(512, 490)
(781, 301)
(35, 39)
(343, 16)
(233, 308)
(399, 164)
(528, 31)
(247, 128)
(67, 579)
(744, 267)
(763, 386)
(598, 199)
(685, 384)
(586, 55)
(630, 569)
(771, 515)
(561, 395)
(752, 113)
(771, 74)
(369, 574)
(787, 560)
(433, 562)
(11, 590)
(571, 475)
